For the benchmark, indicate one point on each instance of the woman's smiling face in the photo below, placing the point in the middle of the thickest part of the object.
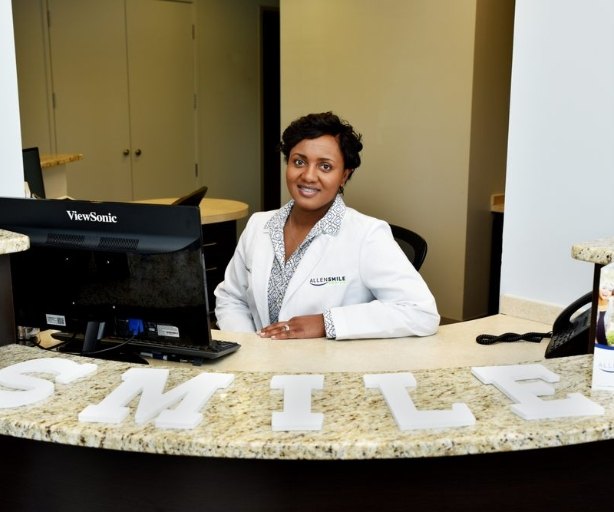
(315, 173)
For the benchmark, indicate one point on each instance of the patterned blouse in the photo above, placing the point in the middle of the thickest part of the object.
(282, 270)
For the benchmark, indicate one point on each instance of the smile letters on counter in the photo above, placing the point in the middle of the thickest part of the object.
(179, 407)
(191, 396)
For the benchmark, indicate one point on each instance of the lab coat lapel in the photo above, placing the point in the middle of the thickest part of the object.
(263, 260)
(312, 257)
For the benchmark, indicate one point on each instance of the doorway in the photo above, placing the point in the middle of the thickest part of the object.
(270, 107)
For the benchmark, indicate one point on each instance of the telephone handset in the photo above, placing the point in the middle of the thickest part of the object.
(570, 330)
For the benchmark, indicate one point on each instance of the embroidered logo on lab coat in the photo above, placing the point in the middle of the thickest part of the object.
(321, 281)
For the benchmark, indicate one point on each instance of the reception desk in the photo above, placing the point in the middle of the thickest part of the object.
(359, 460)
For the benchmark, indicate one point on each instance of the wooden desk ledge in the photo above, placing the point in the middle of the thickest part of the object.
(212, 210)
(53, 160)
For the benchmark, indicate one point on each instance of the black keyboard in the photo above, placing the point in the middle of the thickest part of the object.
(157, 349)
(216, 349)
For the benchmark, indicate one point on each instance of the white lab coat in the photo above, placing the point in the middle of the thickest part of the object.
(360, 273)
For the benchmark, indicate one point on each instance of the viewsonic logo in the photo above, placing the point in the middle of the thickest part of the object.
(108, 218)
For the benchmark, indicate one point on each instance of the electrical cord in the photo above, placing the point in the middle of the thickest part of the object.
(55, 348)
(108, 349)
(508, 337)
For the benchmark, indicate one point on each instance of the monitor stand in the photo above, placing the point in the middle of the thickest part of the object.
(93, 333)
(89, 346)
(81, 344)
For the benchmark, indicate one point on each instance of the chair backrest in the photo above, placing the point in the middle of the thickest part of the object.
(412, 244)
(33, 172)
(193, 198)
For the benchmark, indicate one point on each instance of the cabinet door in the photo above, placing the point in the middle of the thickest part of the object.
(162, 97)
(123, 80)
(88, 59)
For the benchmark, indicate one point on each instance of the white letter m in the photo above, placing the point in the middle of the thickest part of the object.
(154, 403)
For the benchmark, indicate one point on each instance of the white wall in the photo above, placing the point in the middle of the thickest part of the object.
(426, 83)
(11, 175)
(33, 74)
(560, 171)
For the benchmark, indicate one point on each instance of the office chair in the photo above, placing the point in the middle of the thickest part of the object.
(193, 198)
(412, 244)
(33, 172)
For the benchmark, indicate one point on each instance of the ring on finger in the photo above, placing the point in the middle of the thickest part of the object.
(286, 327)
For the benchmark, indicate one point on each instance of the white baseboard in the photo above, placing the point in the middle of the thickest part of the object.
(529, 309)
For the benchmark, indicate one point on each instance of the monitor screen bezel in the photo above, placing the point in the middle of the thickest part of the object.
(107, 227)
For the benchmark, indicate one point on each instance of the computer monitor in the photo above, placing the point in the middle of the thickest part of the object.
(33, 172)
(102, 270)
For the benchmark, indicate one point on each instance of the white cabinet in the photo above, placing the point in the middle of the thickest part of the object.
(124, 96)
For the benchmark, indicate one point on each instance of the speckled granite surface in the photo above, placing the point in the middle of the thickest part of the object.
(357, 422)
(13, 242)
(600, 251)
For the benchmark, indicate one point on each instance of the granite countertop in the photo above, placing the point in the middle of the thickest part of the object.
(600, 251)
(357, 422)
(13, 242)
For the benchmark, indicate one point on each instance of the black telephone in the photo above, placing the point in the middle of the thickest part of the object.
(571, 329)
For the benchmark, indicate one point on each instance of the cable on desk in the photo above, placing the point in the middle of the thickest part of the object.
(508, 337)
(108, 349)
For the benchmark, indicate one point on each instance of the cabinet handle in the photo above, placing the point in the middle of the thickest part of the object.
(126, 152)
(137, 152)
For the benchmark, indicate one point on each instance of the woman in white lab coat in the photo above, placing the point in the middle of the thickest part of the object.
(315, 267)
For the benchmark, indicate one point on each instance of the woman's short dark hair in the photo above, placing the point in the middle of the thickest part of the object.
(313, 126)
